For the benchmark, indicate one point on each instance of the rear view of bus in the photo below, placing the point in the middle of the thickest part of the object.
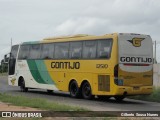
(134, 72)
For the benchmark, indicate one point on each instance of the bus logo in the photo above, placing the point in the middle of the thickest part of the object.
(136, 42)
(13, 81)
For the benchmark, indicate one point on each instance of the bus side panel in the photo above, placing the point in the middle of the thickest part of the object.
(89, 71)
(24, 72)
(34, 74)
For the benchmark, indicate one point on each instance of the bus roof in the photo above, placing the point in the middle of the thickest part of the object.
(62, 37)
(88, 36)
(77, 37)
(71, 38)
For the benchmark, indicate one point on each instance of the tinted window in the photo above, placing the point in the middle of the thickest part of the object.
(34, 51)
(104, 48)
(89, 49)
(14, 51)
(47, 51)
(12, 60)
(24, 52)
(61, 50)
(75, 50)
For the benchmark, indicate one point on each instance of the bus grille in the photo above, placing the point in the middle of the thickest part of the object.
(104, 83)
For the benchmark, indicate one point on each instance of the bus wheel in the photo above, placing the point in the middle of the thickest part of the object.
(86, 91)
(119, 98)
(74, 90)
(50, 91)
(22, 86)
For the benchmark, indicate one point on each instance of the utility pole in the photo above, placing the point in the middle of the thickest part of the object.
(155, 45)
(2, 67)
(11, 43)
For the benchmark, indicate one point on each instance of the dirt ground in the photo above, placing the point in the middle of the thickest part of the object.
(10, 107)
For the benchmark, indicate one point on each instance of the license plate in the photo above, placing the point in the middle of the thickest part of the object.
(136, 88)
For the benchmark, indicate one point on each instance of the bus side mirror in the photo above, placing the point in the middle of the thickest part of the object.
(6, 59)
(10, 55)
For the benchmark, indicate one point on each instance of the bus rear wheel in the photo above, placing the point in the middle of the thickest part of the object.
(86, 91)
(74, 90)
(22, 86)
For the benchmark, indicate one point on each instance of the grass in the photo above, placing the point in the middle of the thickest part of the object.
(43, 104)
(3, 74)
(37, 103)
(154, 97)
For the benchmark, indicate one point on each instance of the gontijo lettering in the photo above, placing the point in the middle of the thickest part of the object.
(136, 59)
(65, 65)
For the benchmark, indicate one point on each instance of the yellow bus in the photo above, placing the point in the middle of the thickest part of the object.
(113, 65)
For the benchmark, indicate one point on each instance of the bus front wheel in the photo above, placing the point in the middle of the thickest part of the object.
(86, 91)
(22, 86)
(74, 90)
(50, 91)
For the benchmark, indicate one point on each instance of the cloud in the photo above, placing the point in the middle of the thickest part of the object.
(30, 20)
(86, 25)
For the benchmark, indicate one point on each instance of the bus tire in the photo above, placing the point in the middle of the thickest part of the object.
(22, 86)
(86, 91)
(50, 91)
(74, 89)
(119, 98)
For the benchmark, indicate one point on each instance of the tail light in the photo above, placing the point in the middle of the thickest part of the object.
(117, 81)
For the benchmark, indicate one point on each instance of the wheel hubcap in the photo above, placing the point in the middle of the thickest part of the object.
(87, 90)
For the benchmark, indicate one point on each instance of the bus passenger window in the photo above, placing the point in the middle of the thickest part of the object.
(24, 52)
(75, 50)
(34, 51)
(12, 60)
(89, 49)
(61, 50)
(47, 51)
(104, 48)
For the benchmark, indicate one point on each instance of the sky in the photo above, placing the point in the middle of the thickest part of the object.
(32, 20)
